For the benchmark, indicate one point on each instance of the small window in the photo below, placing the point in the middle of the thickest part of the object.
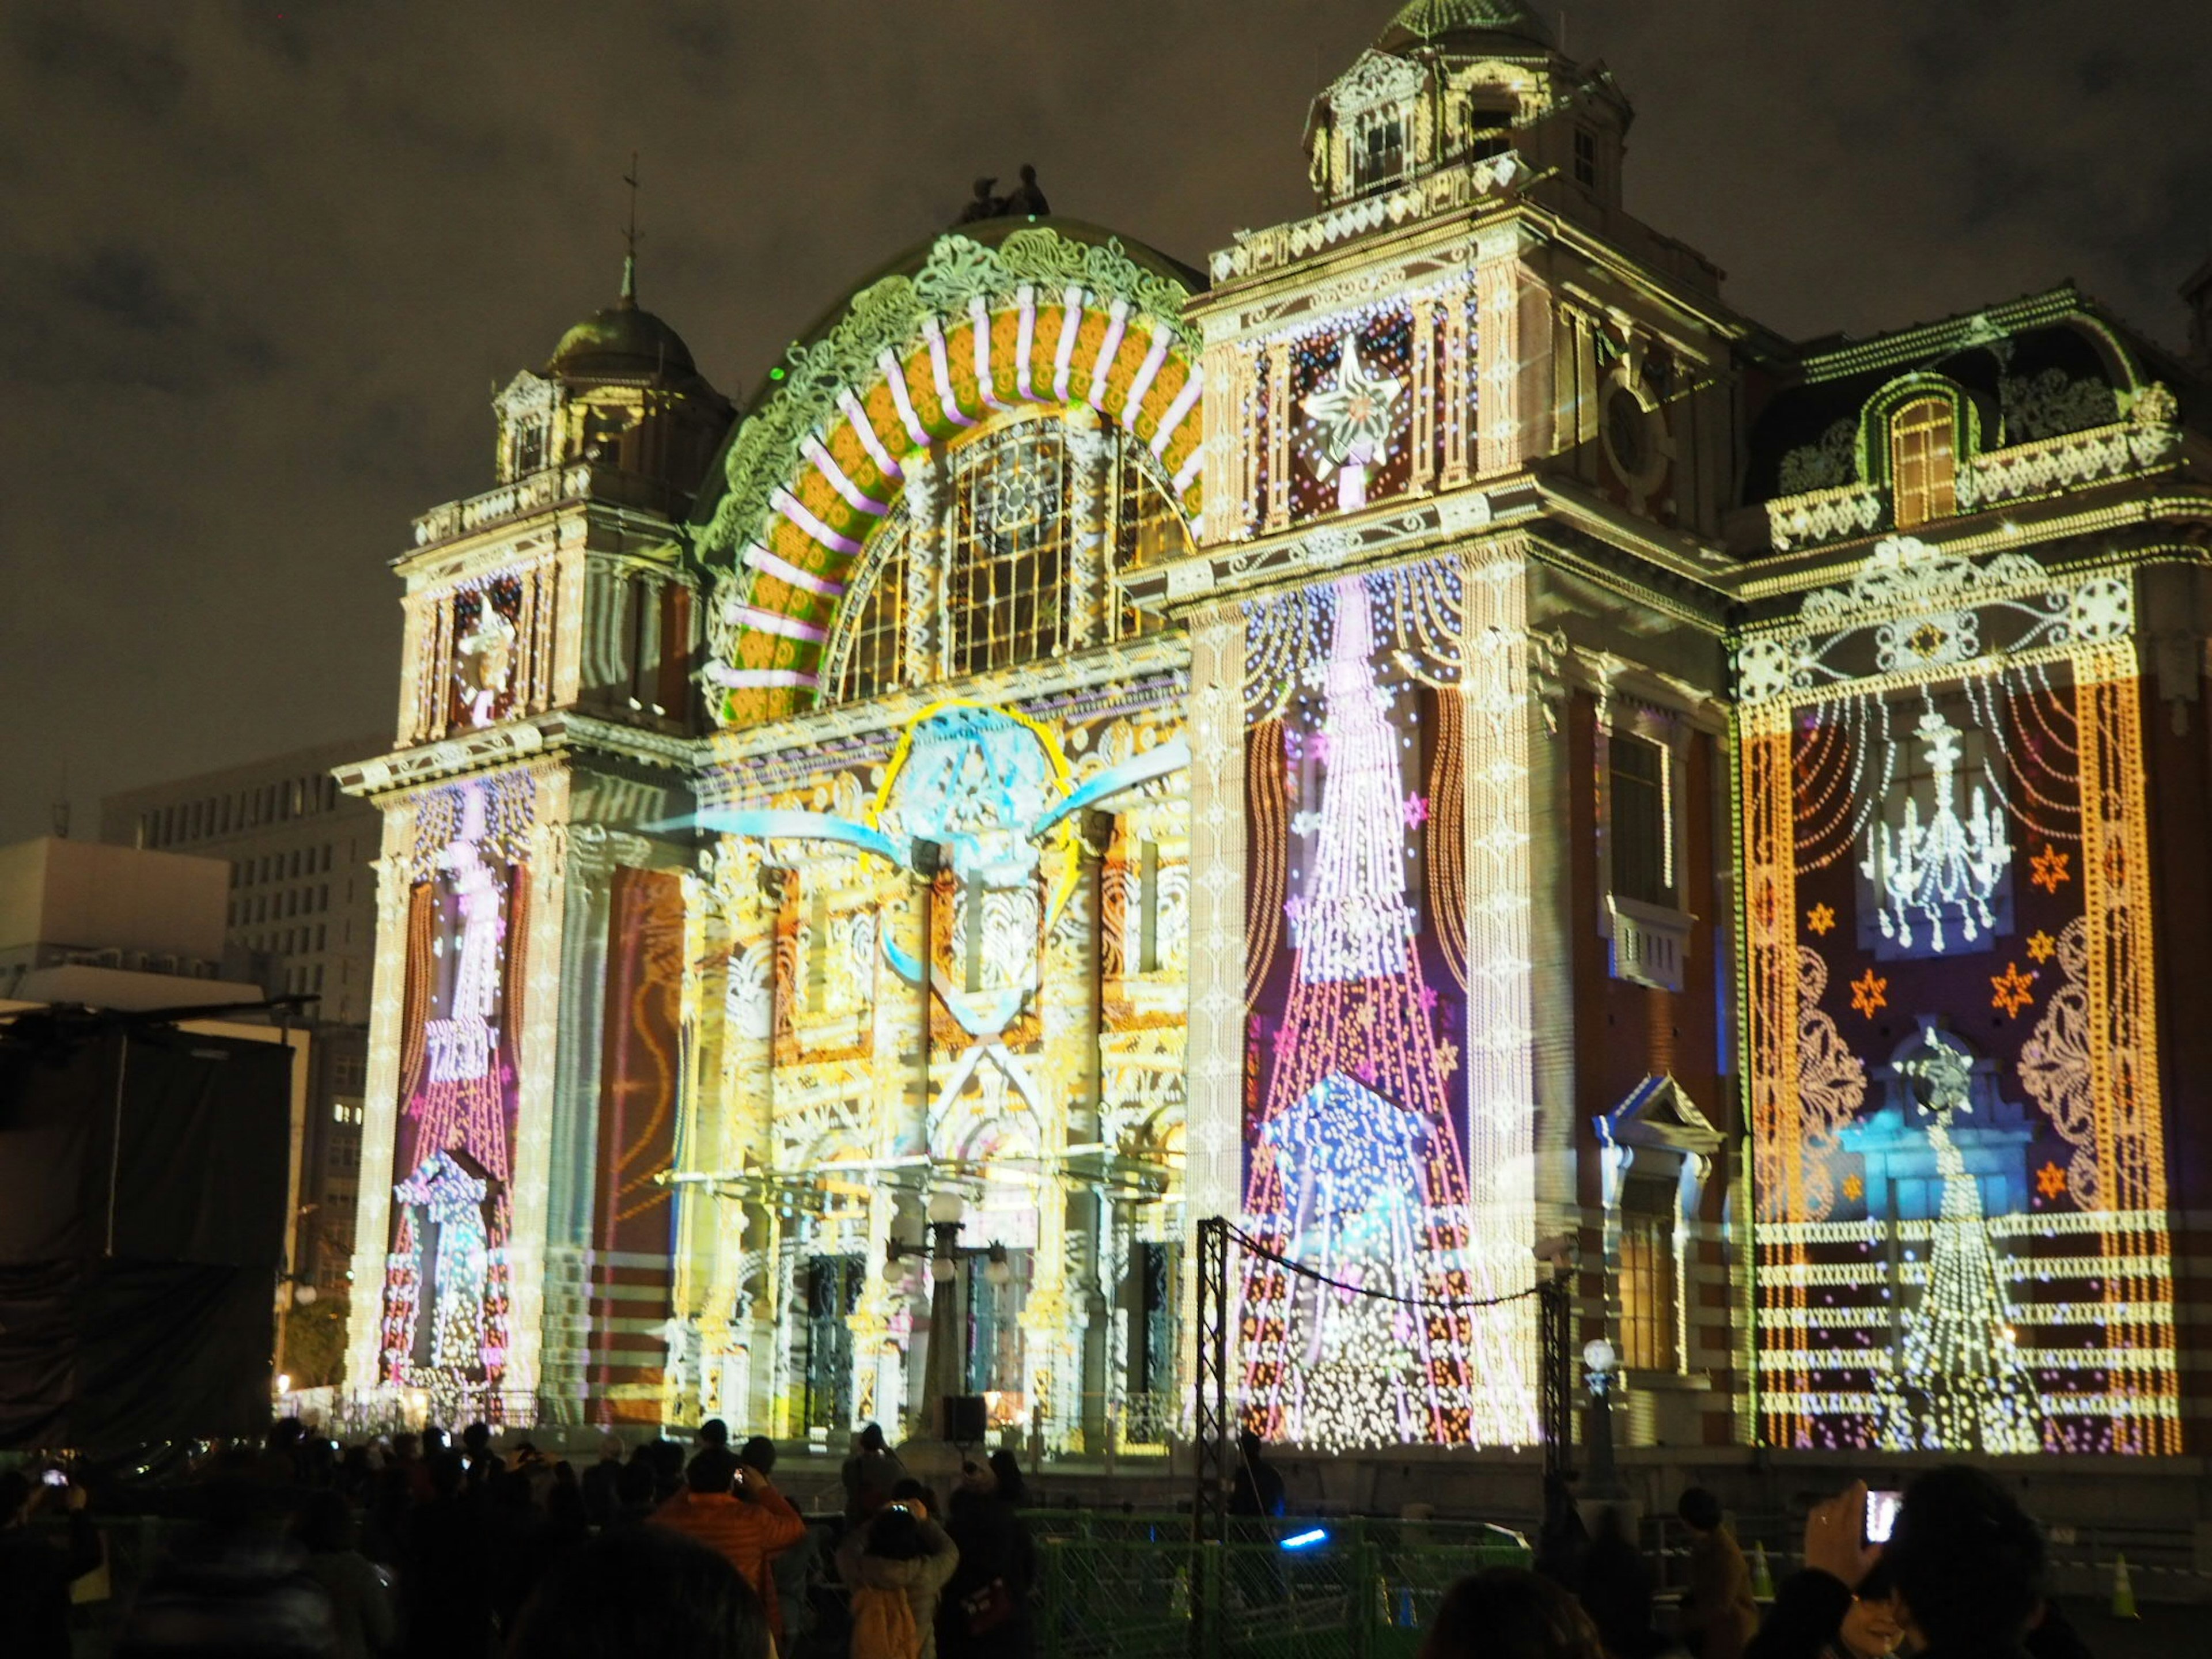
(818, 951)
(1489, 132)
(874, 659)
(1642, 822)
(1148, 908)
(1586, 158)
(1649, 1289)
(1923, 462)
(1379, 155)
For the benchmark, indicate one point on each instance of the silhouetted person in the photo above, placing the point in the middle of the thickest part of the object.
(447, 1586)
(985, 1612)
(1027, 198)
(869, 1474)
(1257, 1488)
(520, 1541)
(730, 1508)
(758, 1454)
(714, 1432)
(598, 1482)
(895, 1566)
(359, 1603)
(642, 1593)
(234, 1586)
(35, 1575)
(1506, 1613)
(1719, 1612)
(1563, 1540)
(1616, 1590)
(983, 205)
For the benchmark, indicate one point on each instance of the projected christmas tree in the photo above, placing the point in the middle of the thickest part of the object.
(1356, 1169)
(1960, 1383)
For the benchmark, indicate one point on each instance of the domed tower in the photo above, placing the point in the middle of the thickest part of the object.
(551, 629)
(1468, 400)
(622, 395)
(1451, 83)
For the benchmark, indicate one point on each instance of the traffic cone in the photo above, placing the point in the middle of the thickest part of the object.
(2124, 1591)
(1762, 1576)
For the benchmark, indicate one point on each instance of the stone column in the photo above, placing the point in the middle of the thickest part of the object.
(379, 1133)
(565, 1345)
(734, 1132)
(539, 1069)
(1214, 1063)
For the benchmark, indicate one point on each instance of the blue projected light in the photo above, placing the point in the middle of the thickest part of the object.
(1306, 1541)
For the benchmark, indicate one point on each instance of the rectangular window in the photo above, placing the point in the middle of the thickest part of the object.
(1642, 820)
(1008, 575)
(1148, 908)
(1379, 155)
(1489, 132)
(1585, 158)
(971, 908)
(817, 951)
(1649, 1295)
(1924, 463)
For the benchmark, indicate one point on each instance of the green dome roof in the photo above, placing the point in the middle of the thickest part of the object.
(1492, 24)
(622, 343)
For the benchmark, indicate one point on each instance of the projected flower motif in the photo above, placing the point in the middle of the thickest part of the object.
(1416, 811)
(2041, 946)
(1821, 920)
(2012, 989)
(1855, 1186)
(1353, 419)
(2051, 1180)
(1869, 993)
(2051, 872)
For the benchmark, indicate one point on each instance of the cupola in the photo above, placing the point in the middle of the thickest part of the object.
(1467, 84)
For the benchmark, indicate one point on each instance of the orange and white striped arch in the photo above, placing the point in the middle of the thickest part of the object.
(833, 468)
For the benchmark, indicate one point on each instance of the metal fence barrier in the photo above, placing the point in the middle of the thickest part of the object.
(1351, 1588)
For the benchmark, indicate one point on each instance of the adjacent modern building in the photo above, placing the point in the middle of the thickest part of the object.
(302, 894)
(1431, 734)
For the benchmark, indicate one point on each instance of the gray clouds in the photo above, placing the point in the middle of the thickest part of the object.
(262, 264)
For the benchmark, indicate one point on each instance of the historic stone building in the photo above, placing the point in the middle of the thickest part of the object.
(1430, 736)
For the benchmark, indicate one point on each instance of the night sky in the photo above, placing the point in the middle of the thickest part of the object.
(263, 266)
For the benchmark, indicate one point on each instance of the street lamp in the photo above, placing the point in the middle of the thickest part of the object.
(946, 1373)
(1600, 1363)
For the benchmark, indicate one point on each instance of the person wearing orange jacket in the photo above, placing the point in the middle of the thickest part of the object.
(749, 1525)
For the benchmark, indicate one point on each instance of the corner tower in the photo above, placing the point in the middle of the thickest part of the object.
(523, 1044)
(1467, 429)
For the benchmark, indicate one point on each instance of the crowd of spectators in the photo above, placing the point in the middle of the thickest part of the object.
(417, 1546)
(1960, 1577)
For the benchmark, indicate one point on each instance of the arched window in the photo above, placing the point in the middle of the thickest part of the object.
(1924, 463)
(1148, 529)
(874, 659)
(1008, 568)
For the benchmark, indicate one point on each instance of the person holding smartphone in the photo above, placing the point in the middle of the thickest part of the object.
(35, 1575)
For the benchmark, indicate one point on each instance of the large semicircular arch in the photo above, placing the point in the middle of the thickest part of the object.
(1043, 318)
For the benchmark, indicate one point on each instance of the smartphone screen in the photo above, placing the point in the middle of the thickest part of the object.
(1881, 1515)
(56, 1477)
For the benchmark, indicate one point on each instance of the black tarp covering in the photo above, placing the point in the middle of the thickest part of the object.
(142, 1188)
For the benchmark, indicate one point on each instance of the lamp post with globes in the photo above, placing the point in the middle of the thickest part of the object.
(1601, 1366)
(946, 1374)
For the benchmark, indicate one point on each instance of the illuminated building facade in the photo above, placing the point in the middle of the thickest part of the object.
(1433, 735)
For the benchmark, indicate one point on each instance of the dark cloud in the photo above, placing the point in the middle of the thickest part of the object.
(264, 262)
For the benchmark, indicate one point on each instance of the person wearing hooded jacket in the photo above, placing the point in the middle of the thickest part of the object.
(895, 1566)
